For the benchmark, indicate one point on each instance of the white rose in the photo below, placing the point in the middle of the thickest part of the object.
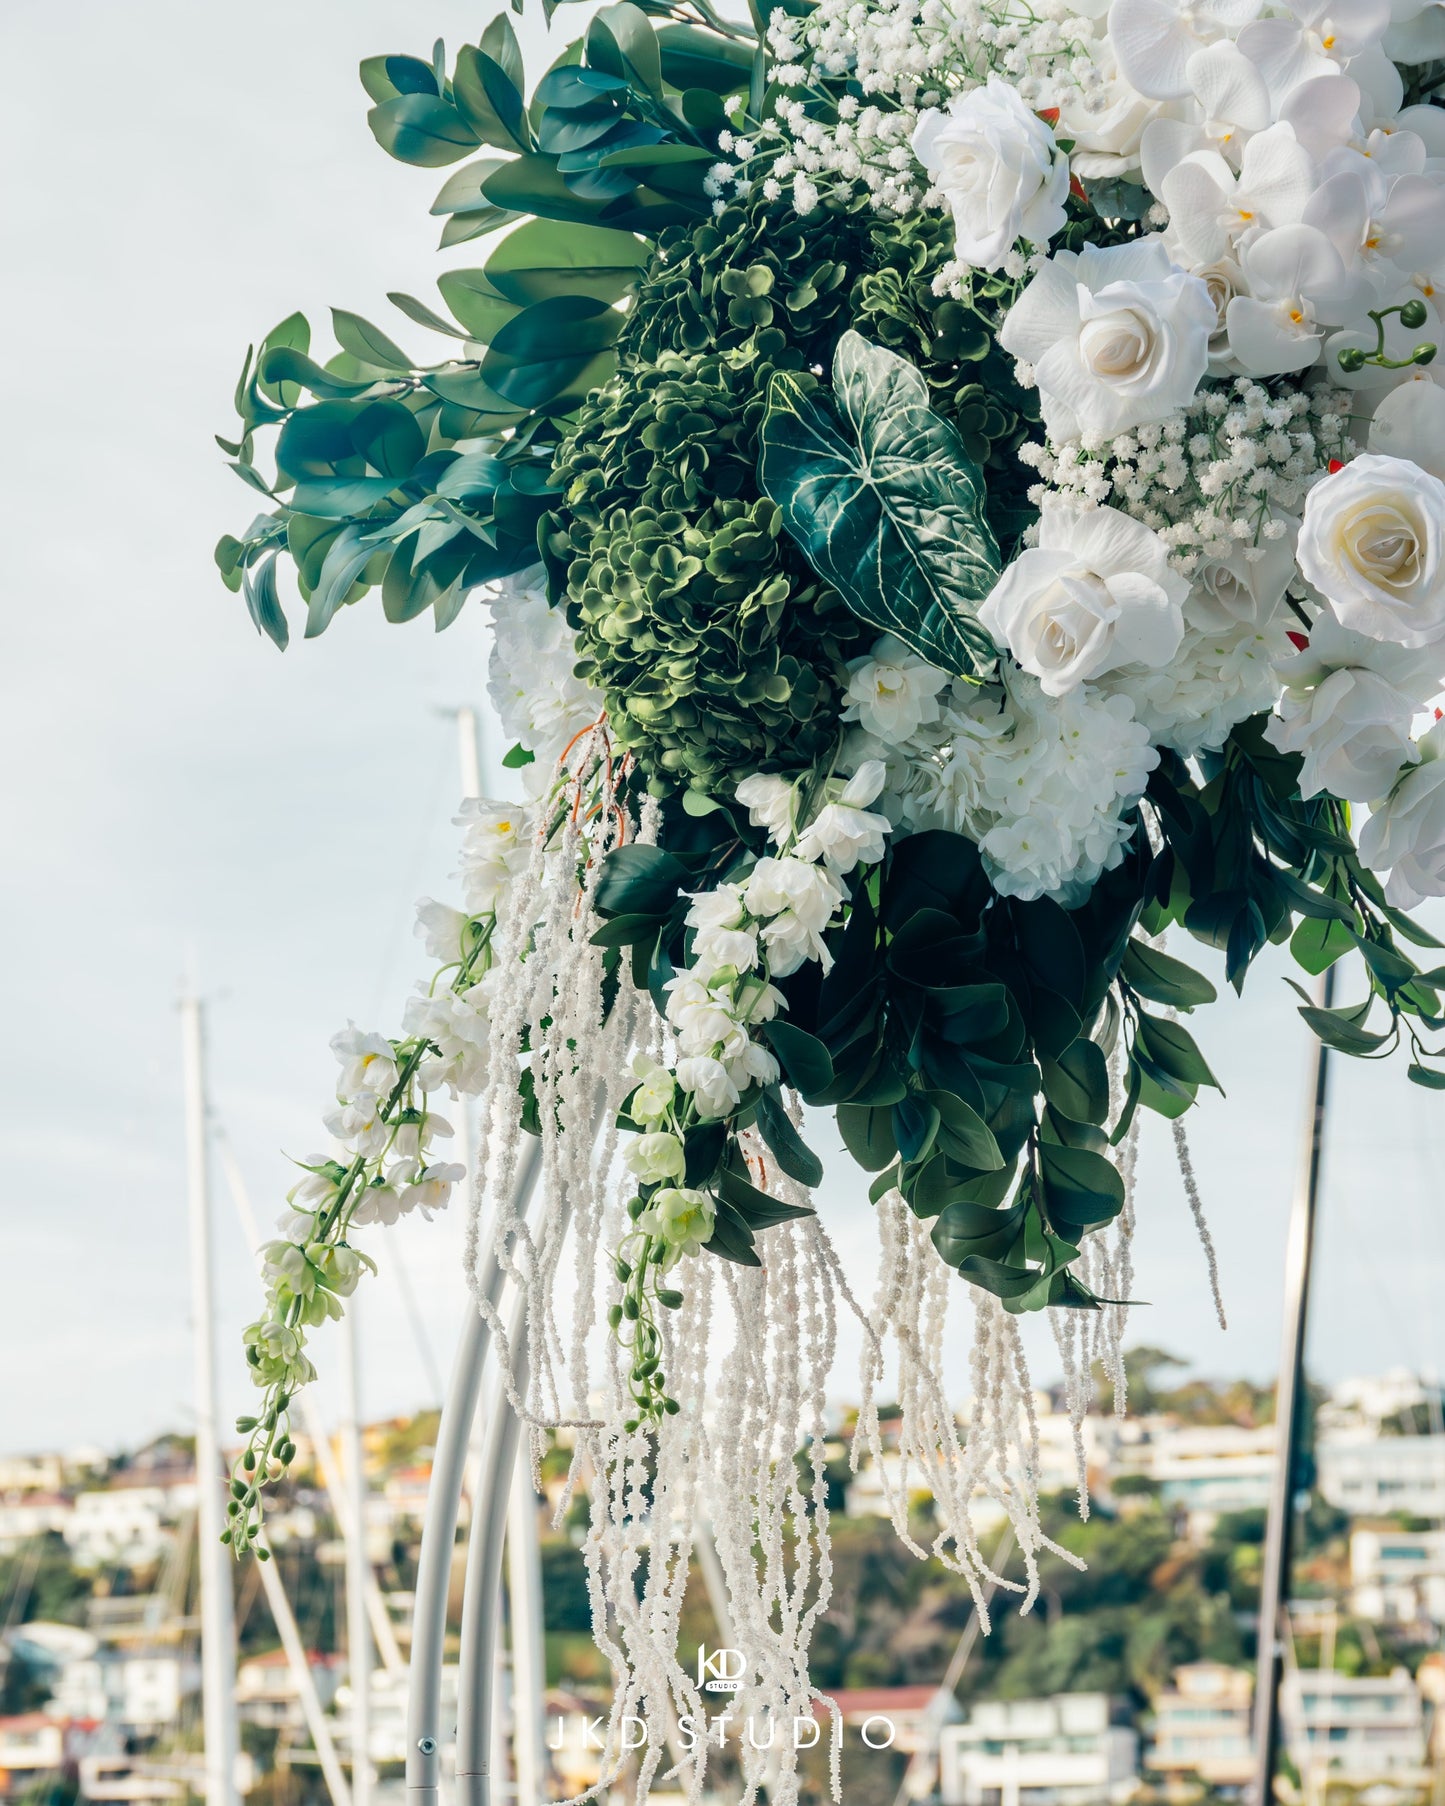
(810, 891)
(1106, 125)
(1406, 833)
(707, 1080)
(999, 168)
(1373, 545)
(892, 692)
(769, 803)
(1348, 706)
(1239, 591)
(1094, 594)
(1117, 337)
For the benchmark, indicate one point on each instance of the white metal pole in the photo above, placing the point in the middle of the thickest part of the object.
(218, 1631)
(358, 1630)
(316, 1720)
(524, 1584)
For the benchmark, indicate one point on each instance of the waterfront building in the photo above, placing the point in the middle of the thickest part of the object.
(1202, 1725)
(1064, 1751)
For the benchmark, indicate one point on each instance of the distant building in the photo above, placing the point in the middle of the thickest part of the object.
(139, 1690)
(1404, 1474)
(124, 1526)
(1398, 1576)
(266, 1690)
(1205, 1468)
(32, 1746)
(1360, 1727)
(31, 1473)
(1202, 1725)
(24, 1515)
(119, 1781)
(1038, 1752)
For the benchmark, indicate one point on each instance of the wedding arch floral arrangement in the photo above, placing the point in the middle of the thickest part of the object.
(959, 486)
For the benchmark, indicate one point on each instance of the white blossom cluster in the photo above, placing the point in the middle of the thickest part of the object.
(765, 926)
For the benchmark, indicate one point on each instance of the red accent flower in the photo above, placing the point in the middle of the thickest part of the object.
(1298, 640)
(1049, 115)
(1336, 464)
(1076, 188)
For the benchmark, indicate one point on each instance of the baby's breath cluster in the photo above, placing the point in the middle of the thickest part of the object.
(862, 72)
(1229, 471)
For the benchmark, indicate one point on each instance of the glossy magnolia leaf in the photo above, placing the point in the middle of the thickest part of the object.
(499, 41)
(694, 58)
(462, 190)
(1077, 1083)
(489, 101)
(263, 603)
(421, 129)
(639, 880)
(805, 1060)
(540, 355)
(868, 1135)
(885, 503)
(533, 185)
(366, 342)
(1081, 1189)
(1163, 979)
(787, 1146)
(481, 308)
(346, 558)
(544, 258)
(423, 315)
(757, 1209)
(1426, 1076)
(1170, 1047)
(621, 41)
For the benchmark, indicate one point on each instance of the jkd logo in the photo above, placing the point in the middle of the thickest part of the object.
(721, 1670)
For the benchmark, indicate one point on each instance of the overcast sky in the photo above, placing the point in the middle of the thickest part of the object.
(179, 177)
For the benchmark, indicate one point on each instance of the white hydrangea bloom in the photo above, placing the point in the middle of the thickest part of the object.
(1042, 784)
(1214, 681)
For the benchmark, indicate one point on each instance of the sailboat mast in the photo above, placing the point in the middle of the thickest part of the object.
(1288, 1402)
(218, 1631)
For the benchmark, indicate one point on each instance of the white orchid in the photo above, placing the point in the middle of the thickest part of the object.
(1155, 39)
(1298, 286)
(1211, 208)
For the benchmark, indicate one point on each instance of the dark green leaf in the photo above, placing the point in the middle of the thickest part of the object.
(421, 129)
(545, 257)
(756, 1208)
(539, 355)
(804, 1058)
(1081, 1189)
(489, 101)
(263, 604)
(884, 501)
(639, 880)
(1078, 1082)
(367, 342)
(1426, 1076)
(1171, 1047)
(789, 1149)
(868, 1135)
(1163, 979)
